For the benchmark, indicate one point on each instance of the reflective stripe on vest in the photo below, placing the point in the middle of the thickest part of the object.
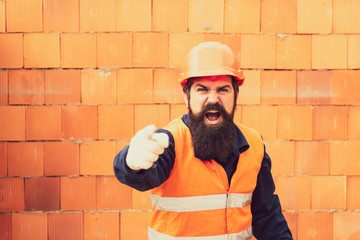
(201, 203)
(243, 235)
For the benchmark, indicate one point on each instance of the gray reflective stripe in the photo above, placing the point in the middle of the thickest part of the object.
(243, 235)
(201, 203)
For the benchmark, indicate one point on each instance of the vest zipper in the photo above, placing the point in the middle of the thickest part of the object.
(226, 215)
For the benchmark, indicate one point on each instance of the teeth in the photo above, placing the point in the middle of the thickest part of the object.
(212, 111)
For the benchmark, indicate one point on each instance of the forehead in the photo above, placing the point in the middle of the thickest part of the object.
(215, 81)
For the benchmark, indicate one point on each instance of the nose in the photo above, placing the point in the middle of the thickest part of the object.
(213, 97)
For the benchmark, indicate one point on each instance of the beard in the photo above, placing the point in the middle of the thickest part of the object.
(212, 141)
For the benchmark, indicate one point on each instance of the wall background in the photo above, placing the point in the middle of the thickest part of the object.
(79, 77)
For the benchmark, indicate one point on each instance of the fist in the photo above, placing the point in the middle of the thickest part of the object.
(145, 148)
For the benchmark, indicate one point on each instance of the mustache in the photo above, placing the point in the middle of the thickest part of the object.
(216, 107)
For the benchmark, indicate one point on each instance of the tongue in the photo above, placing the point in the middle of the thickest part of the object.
(212, 116)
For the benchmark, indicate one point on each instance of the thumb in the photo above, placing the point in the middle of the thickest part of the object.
(148, 131)
(162, 139)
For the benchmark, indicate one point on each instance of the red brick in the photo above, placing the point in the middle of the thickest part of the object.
(295, 122)
(78, 193)
(26, 87)
(329, 51)
(159, 115)
(133, 15)
(282, 157)
(314, 87)
(56, 11)
(25, 159)
(330, 122)
(101, 225)
(61, 158)
(4, 88)
(3, 159)
(62, 86)
(12, 126)
(12, 194)
(79, 122)
(116, 121)
(353, 193)
(24, 16)
(166, 87)
(11, 50)
(278, 87)
(2, 17)
(78, 50)
(315, 225)
(353, 51)
(98, 87)
(48, 127)
(344, 158)
(242, 16)
(68, 226)
(42, 194)
(29, 226)
(346, 18)
(262, 119)
(5, 227)
(111, 194)
(141, 200)
(177, 110)
(134, 225)
(346, 87)
(42, 50)
(354, 123)
(114, 50)
(175, 10)
(96, 158)
(150, 50)
(312, 158)
(206, 16)
(346, 225)
(328, 193)
(278, 16)
(249, 92)
(292, 221)
(97, 16)
(314, 16)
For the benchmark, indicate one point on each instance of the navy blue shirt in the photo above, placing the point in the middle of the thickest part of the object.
(268, 222)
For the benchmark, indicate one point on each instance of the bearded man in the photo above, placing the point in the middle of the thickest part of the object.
(209, 177)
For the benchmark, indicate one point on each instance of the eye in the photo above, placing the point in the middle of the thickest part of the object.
(223, 90)
(201, 89)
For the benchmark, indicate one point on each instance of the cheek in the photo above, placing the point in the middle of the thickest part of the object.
(196, 103)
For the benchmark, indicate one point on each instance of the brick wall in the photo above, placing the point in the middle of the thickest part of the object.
(79, 77)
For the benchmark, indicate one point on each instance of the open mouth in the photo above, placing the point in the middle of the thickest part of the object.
(213, 117)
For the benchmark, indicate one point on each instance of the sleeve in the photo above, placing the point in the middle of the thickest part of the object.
(268, 221)
(153, 177)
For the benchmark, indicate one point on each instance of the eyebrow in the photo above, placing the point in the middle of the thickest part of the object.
(219, 88)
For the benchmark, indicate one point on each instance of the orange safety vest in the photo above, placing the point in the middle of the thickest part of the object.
(196, 201)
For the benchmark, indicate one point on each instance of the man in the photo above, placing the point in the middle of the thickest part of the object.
(210, 178)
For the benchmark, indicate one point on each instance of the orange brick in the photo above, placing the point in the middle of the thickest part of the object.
(116, 122)
(282, 157)
(26, 87)
(346, 225)
(12, 194)
(11, 50)
(249, 92)
(238, 113)
(79, 122)
(353, 51)
(48, 127)
(78, 193)
(141, 200)
(101, 225)
(12, 124)
(66, 226)
(114, 50)
(159, 115)
(206, 16)
(150, 50)
(5, 227)
(177, 110)
(278, 87)
(346, 87)
(346, 18)
(96, 158)
(29, 226)
(242, 16)
(133, 15)
(295, 122)
(111, 194)
(262, 119)
(4, 88)
(166, 87)
(61, 16)
(2, 17)
(292, 221)
(314, 87)
(24, 16)
(314, 16)
(129, 81)
(258, 51)
(353, 193)
(3, 159)
(42, 194)
(134, 225)
(293, 52)
(312, 158)
(354, 123)
(25, 159)
(315, 225)
(98, 87)
(97, 16)
(344, 158)
(61, 158)
(42, 50)
(278, 16)
(62, 86)
(170, 15)
(328, 193)
(330, 122)
(120, 145)
(78, 50)
(329, 51)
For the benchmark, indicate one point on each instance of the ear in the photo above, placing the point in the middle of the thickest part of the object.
(186, 99)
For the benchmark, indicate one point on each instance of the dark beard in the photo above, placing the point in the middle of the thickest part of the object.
(212, 142)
